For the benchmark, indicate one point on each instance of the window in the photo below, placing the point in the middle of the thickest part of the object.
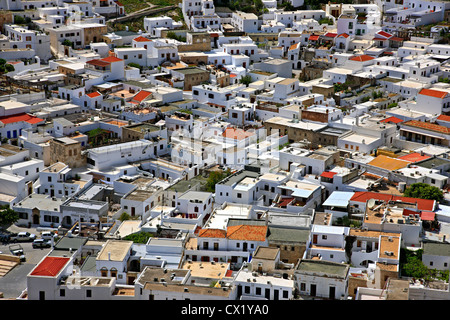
(239, 195)
(302, 286)
(247, 289)
(258, 291)
(62, 292)
(285, 294)
(88, 293)
(324, 237)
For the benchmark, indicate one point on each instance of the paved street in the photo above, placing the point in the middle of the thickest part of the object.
(15, 281)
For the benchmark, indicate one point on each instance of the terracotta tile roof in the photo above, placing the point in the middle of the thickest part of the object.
(388, 163)
(111, 59)
(414, 157)
(247, 232)
(313, 38)
(294, 46)
(328, 174)
(94, 94)
(363, 196)
(99, 63)
(212, 233)
(20, 117)
(330, 35)
(343, 35)
(392, 119)
(433, 93)
(50, 267)
(141, 39)
(362, 58)
(444, 117)
(141, 96)
(237, 134)
(427, 126)
(384, 34)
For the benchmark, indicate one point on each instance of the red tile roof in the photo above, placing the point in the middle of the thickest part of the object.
(328, 174)
(20, 117)
(414, 157)
(237, 134)
(99, 63)
(284, 202)
(50, 267)
(212, 233)
(397, 39)
(141, 39)
(343, 35)
(444, 117)
(362, 58)
(294, 46)
(141, 96)
(247, 232)
(93, 94)
(111, 59)
(427, 216)
(427, 126)
(433, 93)
(330, 35)
(313, 38)
(363, 196)
(384, 34)
(392, 119)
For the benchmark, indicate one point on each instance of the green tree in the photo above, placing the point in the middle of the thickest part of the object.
(424, 191)
(215, 177)
(124, 216)
(67, 42)
(7, 216)
(246, 80)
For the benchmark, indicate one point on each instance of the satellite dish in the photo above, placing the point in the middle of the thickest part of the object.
(371, 203)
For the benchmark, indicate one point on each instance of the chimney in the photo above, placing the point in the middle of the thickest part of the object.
(109, 256)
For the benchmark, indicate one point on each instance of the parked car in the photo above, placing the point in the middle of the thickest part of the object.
(41, 243)
(17, 250)
(23, 236)
(48, 235)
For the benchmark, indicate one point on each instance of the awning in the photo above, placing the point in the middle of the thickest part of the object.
(328, 174)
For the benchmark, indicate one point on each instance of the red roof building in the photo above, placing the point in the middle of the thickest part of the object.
(212, 233)
(141, 39)
(237, 134)
(141, 96)
(313, 38)
(328, 174)
(363, 196)
(247, 232)
(392, 120)
(414, 157)
(384, 34)
(433, 93)
(443, 117)
(111, 59)
(427, 126)
(362, 58)
(94, 94)
(50, 267)
(20, 117)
